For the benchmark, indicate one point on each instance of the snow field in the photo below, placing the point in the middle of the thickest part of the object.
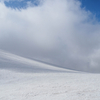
(49, 86)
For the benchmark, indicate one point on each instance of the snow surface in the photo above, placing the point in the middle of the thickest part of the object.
(25, 79)
(49, 86)
(16, 62)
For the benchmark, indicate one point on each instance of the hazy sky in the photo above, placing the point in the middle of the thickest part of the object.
(61, 32)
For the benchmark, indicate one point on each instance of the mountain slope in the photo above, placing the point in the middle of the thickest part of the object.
(15, 62)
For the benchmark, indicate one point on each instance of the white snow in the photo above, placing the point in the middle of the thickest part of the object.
(49, 86)
(6, 56)
(26, 79)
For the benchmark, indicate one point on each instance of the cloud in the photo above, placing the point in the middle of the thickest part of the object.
(56, 31)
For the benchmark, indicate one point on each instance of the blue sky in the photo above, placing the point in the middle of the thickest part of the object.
(20, 4)
(92, 6)
(89, 5)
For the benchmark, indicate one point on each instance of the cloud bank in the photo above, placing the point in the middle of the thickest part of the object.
(59, 32)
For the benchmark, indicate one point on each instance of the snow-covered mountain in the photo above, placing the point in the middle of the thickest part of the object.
(25, 79)
(14, 62)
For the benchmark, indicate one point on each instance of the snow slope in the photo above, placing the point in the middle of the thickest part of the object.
(26, 79)
(49, 86)
(12, 61)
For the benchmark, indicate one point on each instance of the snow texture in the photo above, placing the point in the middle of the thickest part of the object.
(25, 79)
(49, 86)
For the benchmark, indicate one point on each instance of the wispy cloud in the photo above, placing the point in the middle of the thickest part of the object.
(56, 31)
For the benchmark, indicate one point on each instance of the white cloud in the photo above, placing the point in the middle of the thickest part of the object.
(57, 30)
